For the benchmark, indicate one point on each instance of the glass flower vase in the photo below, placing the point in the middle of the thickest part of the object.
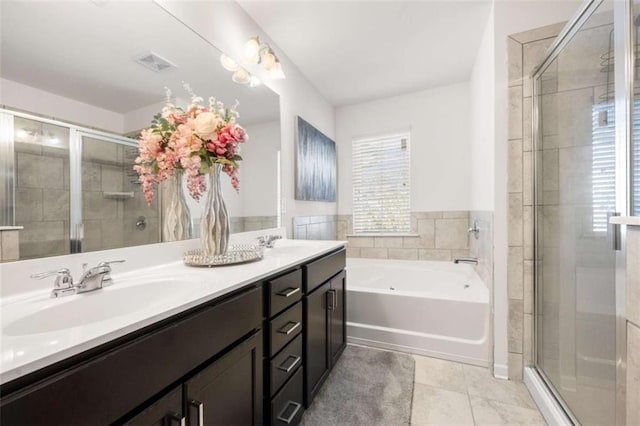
(214, 225)
(176, 217)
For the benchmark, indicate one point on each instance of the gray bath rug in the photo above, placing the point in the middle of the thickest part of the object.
(367, 387)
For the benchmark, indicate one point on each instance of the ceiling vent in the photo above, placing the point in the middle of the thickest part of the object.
(154, 62)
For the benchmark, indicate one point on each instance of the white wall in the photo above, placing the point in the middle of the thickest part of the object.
(29, 99)
(482, 133)
(258, 170)
(438, 120)
(228, 26)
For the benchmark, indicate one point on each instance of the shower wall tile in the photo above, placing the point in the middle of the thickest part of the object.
(35, 171)
(514, 183)
(515, 360)
(514, 50)
(515, 266)
(28, 204)
(516, 327)
(527, 340)
(353, 252)
(633, 275)
(515, 219)
(527, 139)
(527, 286)
(515, 112)
(527, 178)
(633, 374)
(56, 204)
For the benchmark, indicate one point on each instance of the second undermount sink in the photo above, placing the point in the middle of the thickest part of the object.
(100, 305)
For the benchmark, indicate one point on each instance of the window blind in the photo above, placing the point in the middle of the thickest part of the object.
(603, 165)
(381, 189)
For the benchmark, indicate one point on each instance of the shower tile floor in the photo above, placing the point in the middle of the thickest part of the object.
(450, 393)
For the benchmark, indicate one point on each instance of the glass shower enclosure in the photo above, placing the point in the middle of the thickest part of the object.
(584, 174)
(71, 188)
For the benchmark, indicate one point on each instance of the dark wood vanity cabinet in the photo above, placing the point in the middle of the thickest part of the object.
(325, 320)
(255, 356)
(137, 376)
(284, 362)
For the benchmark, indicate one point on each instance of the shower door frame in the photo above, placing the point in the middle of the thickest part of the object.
(623, 66)
(76, 133)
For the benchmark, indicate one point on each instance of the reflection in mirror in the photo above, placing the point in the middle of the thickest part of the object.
(73, 101)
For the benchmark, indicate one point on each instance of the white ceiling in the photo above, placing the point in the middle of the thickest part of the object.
(355, 51)
(85, 50)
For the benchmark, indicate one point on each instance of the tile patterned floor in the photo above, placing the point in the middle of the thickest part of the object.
(449, 393)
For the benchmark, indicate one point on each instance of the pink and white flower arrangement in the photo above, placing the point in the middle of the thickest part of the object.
(191, 140)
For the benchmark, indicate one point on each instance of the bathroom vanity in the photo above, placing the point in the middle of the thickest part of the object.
(252, 351)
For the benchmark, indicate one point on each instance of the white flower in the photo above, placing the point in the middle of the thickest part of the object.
(205, 125)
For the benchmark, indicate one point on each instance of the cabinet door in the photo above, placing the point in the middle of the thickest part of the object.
(317, 361)
(338, 319)
(167, 411)
(229, 391)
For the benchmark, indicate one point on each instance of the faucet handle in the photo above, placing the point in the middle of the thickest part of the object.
(63, 277)
(110, 262)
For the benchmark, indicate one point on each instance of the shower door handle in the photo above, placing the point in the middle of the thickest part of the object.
(613, 232)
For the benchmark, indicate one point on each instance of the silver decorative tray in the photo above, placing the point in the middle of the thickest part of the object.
(234, 255)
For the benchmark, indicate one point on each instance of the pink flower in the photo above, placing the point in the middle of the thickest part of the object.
(238, 133)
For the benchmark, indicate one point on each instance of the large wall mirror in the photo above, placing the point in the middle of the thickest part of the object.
(73, 96)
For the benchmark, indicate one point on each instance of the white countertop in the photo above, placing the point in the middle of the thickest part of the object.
(22, 353)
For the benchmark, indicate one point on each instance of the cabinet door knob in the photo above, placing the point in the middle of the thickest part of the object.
(332, 303)
(296, 360)
(292, 416)
(288, 292)
(291, 329)
(200, 406)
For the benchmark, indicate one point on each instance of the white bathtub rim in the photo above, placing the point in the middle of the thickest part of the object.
(418, 351)
(451, 298)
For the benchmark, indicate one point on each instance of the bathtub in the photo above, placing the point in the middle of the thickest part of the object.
(424, 307)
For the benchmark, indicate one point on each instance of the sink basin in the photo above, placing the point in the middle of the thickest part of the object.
(100, 305)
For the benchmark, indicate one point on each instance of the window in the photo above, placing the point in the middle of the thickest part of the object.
(603, 165)
(381, 191)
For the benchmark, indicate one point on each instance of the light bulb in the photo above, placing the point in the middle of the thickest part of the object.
(228, 63)
(254, 81)
(241, 76)
(276, 71)
(252, 50)
(21, 133)
(268, 60)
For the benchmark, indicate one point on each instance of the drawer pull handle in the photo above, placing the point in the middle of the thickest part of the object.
(293, 414)
(296, 360)
(289, 291)
(173, 417)
(200, 406)
(291, 329)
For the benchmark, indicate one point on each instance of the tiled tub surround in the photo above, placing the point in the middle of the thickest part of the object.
(315, 227)
(9, 243)
(438, 235)
(159, 261)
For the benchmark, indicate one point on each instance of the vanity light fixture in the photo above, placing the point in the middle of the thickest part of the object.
(257, 52)
(241, 76)
(228, 63)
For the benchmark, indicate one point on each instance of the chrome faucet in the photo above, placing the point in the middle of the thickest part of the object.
(91, 279)
(96, 277)
(473, 260)
(268, 240)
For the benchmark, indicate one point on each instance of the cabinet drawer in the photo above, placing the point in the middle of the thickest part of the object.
(284, 291)
(284, 364)
(321, 270)
(284, 328)
(286, 406)
(121, 379)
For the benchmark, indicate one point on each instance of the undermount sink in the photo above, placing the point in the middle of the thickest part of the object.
(100, 305)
